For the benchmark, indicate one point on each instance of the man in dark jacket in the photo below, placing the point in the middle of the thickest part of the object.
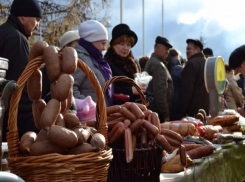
(22, 22)
(193, 94)
(161, 85)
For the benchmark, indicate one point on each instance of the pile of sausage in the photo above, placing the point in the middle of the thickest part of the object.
(60, 129)
(132, 124)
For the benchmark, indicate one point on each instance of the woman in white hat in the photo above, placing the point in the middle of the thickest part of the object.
(93, 40)
(69, 39)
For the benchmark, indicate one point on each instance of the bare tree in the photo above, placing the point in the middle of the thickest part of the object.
(60, 16)
(202, 39)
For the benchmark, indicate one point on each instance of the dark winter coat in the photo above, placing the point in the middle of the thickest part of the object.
(15, 47)
(121, 87)
(193, 95)
(161, 86)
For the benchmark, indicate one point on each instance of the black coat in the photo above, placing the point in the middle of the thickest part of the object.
(193, 95)
(15, 47)
(121, 87)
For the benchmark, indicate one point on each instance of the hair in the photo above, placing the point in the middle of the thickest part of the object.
(227, 68)
(173, 53)
(124, 38)
(142, 61)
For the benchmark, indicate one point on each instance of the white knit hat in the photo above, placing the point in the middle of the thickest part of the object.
(69, 37)
(92, 31)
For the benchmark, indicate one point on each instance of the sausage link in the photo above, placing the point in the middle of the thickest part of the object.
(161, 140)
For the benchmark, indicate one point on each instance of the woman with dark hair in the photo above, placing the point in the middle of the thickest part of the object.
(121, 60)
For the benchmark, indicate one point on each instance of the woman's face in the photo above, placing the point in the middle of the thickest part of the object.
(123, 48)
(100, 45)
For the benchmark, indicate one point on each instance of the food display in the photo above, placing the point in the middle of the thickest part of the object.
(64, 132)
(61, 139)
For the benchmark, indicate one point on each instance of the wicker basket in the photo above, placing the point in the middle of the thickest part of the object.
(146, 164)
(56, 167)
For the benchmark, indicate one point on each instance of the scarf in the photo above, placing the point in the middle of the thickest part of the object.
(128, 63)
(98, 60)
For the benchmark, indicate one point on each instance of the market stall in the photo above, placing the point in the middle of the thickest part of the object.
(225, 165)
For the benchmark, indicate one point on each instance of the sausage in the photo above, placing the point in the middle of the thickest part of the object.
(113, 109)
(98, 141)
(128, 145)
(62, 137)
(126, 105)
(37, 50)
(183, 158)
(172, 134)
(135, 125)
(161, 140)
(172, 142)
(125, 112)
(82, 135)
(143, 136)
(191, 146)
(141, 106)
(60, 121)
(115, 116)
(34, 85)
(155, 121)
(70, 99)
(127, 122)
(147, 113)
(37, 109)
(50, 114)
(45, 147)
(90, 123)
(116, 132)
(83, 148)
(71, 120)
(200, 152)
(136, 111)
(69, 60)
(111, 124)
(41, 136)
(63, 86)
(63, 105)
(150, 128)
(52, 62)
(26, 141)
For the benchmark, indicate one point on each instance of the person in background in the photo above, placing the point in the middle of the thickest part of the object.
(237, 62)
(142, 61)
(233, 96)
(208, 52)
(161, 85)
(22, 22)
(224, 103)
(193, 94)
(93, 39)
(121, 60)
(175, 69)
(240, 83)
(69, 39)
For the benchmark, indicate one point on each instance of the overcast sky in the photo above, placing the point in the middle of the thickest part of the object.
(221, 22)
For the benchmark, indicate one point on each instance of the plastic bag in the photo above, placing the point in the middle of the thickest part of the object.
(142, 79)
(86, 109)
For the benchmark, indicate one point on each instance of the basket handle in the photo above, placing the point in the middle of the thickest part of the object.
(129, 80)
(13, 135)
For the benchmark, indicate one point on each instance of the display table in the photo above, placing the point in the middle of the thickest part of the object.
(228, 165)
